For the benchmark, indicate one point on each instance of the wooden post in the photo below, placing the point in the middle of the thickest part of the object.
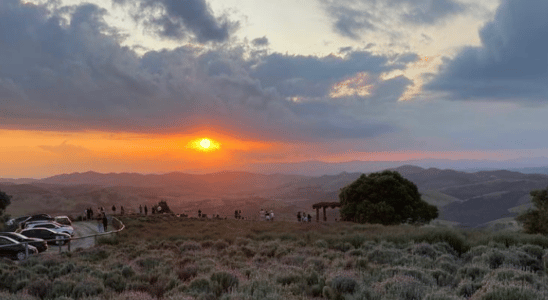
(68, 247)
(317, 214)
(324, 216)
(26, 250)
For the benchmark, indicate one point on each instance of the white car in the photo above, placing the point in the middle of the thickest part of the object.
(60, 228)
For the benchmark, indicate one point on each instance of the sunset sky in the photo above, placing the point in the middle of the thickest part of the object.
(135, 85)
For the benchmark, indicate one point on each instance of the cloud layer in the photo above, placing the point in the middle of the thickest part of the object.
(511, 64)
(58, 75)
(351, 18)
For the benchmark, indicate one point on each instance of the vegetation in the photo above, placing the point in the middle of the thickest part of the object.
(385, 198)
(165, 257)
(536, 220)
(5, 200)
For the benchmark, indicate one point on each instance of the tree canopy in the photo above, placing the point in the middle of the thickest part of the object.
(536, 220)
(5, 200)
(386, 198)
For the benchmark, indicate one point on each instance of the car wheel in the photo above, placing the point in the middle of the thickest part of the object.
(59, 240)
(21, 255)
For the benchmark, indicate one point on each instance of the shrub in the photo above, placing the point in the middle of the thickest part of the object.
(200, 285)
(441, 296)
(383, 256)
(472, 272)
(190, 246)
(61, 288)
(467, 288)
(344, 285)
(114, 281)
(127, 271)
(288, 279)
(187, 272)
(425, 249)
(402, 287)
(511, 292)
(39, 288)
(442, 278)
(220, 245)
(87, 287)
(321, 244)
(225, 280)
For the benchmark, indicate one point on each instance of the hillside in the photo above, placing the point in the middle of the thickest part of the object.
(469, 199)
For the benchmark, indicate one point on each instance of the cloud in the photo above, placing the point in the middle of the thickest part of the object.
(511, 64)
(72, 76)
(263, 41)
(351, 18)
(175, 19)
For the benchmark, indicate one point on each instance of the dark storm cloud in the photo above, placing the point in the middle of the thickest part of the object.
(263, 41)
(511, 64)
(72, 76)
(179, 17)
(313, 76)
(353, 17)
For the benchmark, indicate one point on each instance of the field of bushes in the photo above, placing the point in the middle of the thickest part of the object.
(159, 257)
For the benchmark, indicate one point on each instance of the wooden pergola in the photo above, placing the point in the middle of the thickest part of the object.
(324, 205)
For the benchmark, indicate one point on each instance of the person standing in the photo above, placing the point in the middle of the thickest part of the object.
(105, 222)
(113, 209)
(309, 217)
(146, 210)
(100, 224)
(122, 210)
(271, 215)
(299, 216)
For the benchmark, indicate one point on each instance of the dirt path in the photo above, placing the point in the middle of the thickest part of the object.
(80, 229)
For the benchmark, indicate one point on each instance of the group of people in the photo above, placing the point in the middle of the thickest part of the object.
(265, 215)
(304, 217)
(141, 210)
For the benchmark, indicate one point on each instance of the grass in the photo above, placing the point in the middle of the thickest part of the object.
(159, 257)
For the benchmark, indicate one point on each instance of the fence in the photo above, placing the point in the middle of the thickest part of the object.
(116, 224)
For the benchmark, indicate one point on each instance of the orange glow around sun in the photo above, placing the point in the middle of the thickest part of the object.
(204, 144)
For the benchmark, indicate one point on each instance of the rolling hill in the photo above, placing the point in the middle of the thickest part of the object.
(469, 199)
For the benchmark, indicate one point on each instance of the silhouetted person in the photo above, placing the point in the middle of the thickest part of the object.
(199, 213)
(309, 218)
(236, 216)
(140, 210)
(91, 213)
(105, 222)
(146, 210)
(299, 216)
(113, 209)
(122, 210)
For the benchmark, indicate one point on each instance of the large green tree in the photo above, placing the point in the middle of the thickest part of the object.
(536, 220)
(386, 198)
(5, 200)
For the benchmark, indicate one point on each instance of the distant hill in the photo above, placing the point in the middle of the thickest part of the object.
(469, 199)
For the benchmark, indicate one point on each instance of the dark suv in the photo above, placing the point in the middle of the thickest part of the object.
(13, 249)
(49, 235)
(40, 244)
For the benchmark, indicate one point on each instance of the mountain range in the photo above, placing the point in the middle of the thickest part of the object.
(468, 199)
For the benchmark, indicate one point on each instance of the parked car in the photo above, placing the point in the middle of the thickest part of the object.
(49, 235)
(16, 221)
(40, 244)
(53, 226)
(39, 217)
(63, 220)
(13, 249)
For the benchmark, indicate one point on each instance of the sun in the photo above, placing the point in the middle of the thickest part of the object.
(205, 143)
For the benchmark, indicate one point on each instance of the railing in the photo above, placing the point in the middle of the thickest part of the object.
(117, 224)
